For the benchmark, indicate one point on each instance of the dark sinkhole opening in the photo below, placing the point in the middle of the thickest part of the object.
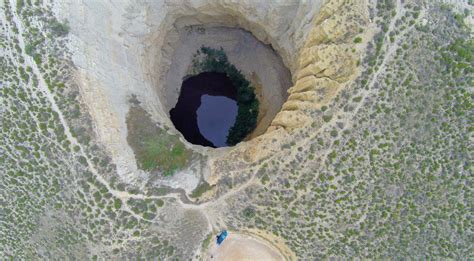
(206, 109)
(217, 106)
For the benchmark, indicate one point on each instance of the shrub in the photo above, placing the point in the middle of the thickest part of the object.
(327, 118)
(201, 189)
(29, 48)
(58, 28)
(117, 203)
(19, 5)
(249, 212)
(154, 149)
(37, 58)
(160, 203)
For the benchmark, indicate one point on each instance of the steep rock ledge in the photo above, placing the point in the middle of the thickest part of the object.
(326, 62)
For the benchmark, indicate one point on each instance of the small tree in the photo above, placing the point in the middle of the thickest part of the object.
(58, 28)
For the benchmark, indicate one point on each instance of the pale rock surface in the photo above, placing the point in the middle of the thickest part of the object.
(326, 63)
(124, 48)
(132, 53)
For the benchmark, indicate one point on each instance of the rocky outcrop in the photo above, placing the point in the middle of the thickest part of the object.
(326, 62)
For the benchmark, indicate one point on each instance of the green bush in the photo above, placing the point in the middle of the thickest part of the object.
(58, 28)
(29, 48)
(249, 212)
(327, 118)
(154, 149)
(19, 5)
(201, 189)
(117, 203)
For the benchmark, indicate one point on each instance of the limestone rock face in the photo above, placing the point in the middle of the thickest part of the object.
(326, 62)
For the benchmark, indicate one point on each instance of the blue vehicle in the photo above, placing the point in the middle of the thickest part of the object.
(221, 237)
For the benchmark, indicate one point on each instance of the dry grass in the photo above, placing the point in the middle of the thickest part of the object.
(154, 149)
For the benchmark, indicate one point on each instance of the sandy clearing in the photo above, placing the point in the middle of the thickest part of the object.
(243, 247)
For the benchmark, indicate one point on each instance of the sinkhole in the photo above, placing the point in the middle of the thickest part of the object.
(223, 86)
(206, 109)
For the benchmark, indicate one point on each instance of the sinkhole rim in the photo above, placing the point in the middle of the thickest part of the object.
(267, 72)
(193, 90)
(214, 75)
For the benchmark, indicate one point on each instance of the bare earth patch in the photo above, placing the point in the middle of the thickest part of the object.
(243, 247)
